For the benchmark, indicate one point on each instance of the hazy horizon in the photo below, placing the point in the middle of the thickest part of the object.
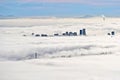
(59, 8)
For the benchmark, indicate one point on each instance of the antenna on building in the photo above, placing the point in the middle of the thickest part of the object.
(103, 17)
(36, 56)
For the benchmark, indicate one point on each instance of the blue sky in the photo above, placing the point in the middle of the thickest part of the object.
(59, 7)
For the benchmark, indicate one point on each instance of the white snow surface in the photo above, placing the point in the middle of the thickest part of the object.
(92, 57)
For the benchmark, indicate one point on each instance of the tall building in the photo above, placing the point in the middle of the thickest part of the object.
(84, 31)
(113, 33)
(67, 33)
(81, 32)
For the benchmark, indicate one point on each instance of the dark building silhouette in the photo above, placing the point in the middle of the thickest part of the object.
(70, 34)
(37, 35)
(108, 34)
(112, 33)
(81, 32)
(64, 34)
(75, 33)
(36, 55)
(32, 33)
(44, 35)
(56, 34)
(67, 33)
(84, 31)
(24, 35)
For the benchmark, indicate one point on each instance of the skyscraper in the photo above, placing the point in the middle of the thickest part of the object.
(84, 31)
